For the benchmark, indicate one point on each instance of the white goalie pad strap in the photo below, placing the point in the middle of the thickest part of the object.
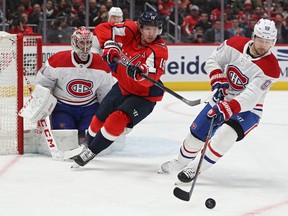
(40, 105)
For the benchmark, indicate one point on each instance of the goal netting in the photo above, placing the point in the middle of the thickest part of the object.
(18, 54)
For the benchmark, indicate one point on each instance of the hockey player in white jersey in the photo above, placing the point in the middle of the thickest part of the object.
(243, 70)
(115, 15)
(79, 80)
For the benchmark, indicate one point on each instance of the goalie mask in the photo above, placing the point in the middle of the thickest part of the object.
(81, 42)
(266, 30)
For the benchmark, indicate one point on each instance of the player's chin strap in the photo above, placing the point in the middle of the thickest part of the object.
(161, 86)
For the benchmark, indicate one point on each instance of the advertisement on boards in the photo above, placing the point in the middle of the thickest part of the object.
(186, 64)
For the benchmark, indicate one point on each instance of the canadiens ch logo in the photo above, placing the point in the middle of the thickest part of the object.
(80, 88)
(237, 80)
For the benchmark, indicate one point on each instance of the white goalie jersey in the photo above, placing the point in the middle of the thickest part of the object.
(73, 83)
(249, 78)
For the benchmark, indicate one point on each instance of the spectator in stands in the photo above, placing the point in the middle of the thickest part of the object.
(93, 11)
(75, 5)
(204, 5)
(20, 25)
(18, 11)
(78, 19)
(228, 12)
(102, 15)
(64, 10)
(190, 22)
(213, 35)
(204, 22)
(282, 31)
(258, 13)
(215, 13)
(235, 29)
(227, 22)
(285, 10)
(182, 10)
(50, 10)
(58, 33)
(126, 14)
(28, 7)
(250, 28)
(244, 16)
(36, 17)
(109, 4)
(237, 6)
(165, 9)
(198, 36)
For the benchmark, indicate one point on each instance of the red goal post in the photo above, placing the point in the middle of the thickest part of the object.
(18, 54)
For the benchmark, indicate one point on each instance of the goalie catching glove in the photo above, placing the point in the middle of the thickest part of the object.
(224, 110)
(111, 50)
(40, 105)
(135, 72)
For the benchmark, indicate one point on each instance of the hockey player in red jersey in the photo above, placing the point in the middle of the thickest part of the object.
(243, 70)
(79, 80)
(132, 98)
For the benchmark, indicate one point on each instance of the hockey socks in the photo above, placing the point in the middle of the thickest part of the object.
(101, 141)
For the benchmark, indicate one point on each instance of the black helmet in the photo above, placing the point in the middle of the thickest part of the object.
(150, 18)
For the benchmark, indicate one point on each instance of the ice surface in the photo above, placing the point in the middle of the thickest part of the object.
(251, 179)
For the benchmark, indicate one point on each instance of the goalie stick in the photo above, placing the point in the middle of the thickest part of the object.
(49, 139)
(126, 63)
(184, 195)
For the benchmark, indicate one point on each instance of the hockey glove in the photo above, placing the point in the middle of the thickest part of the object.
(111, 50)
(135, 72)
(223, 111)
(219, 81)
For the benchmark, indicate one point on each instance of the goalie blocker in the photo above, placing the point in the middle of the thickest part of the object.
(40, 105)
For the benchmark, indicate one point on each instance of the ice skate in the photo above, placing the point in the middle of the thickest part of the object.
(187, 175)
(171, 166)
(84, 157)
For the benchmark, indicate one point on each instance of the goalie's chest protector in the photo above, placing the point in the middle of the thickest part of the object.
(76, 83)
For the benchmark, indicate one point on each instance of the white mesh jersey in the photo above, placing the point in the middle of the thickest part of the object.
(249, 78)
(73, 83)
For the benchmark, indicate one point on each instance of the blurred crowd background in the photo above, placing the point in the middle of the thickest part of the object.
(194, 21)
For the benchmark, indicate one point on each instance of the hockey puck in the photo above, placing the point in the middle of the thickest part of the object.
(210, 203)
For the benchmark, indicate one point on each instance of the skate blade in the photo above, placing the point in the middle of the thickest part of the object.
(75, 166)
(72, 153)
(179, 183)
(163, 173)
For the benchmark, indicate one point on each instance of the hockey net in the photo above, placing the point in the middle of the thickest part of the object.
(18, 54)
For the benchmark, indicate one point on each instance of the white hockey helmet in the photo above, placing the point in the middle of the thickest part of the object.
(115, 12)
(265, 29)
(81, 42)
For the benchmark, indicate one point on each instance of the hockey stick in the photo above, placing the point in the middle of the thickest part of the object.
(49, 139)
(161, 86)
(184, 195)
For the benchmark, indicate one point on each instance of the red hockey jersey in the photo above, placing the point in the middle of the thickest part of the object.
(154, 55)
